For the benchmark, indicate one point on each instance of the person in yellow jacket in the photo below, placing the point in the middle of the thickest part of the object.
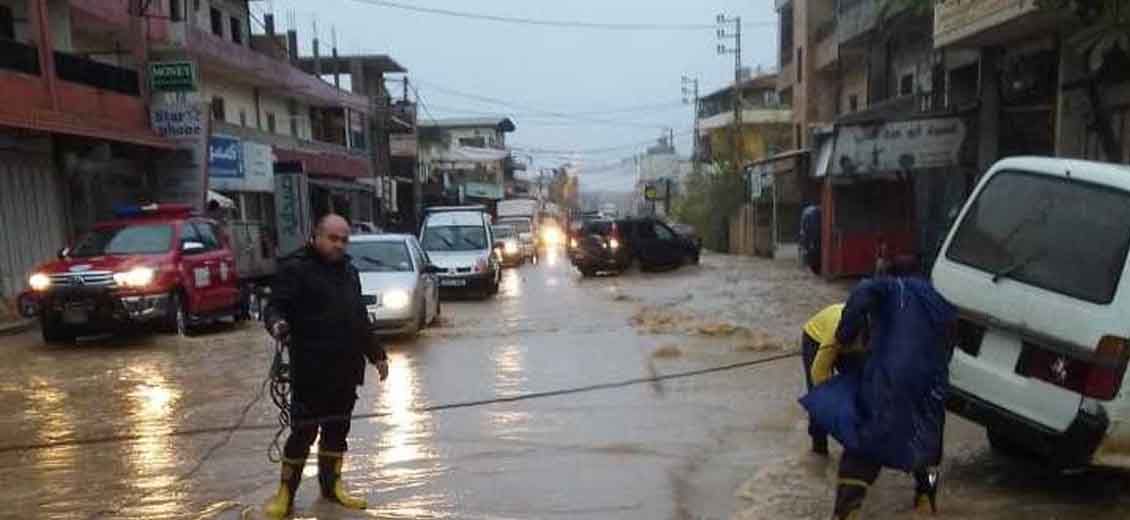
(822, 355)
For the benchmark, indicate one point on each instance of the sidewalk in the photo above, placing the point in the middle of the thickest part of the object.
(12, 323)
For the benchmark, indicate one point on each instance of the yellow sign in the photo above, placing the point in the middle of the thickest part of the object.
(651, 193)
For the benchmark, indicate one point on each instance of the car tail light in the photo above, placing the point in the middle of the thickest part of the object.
(1099, 377)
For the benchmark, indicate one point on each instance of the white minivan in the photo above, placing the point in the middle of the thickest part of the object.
(459, 240)
(1036, 264)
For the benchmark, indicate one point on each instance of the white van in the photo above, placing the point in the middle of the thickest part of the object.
(459, 240)
(1036, 264)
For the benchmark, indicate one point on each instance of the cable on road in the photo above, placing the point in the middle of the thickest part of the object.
(239, 427)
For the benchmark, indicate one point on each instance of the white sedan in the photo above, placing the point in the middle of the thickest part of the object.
(398, 283)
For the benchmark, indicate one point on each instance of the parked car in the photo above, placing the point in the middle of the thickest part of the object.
(1036, 265)
(511, 251)
(460, 241)
(158, 265)
(688, 232)
(399, 285)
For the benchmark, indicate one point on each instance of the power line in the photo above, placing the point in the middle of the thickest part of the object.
(534, 149)
(570, 24)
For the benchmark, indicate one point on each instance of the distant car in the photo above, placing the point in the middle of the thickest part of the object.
(511, 252)
(398, 284)
(656, 245)
(459, 239)
(524, 230)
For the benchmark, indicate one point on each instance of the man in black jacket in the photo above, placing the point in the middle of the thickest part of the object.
(316, 305)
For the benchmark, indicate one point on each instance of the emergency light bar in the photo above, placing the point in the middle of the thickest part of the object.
(153, 210)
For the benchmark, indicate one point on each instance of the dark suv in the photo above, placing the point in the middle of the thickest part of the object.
(612, 245)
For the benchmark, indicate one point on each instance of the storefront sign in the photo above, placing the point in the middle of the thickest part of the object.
(172, 76)
(292, 210)
(650, 192)
(225, 157)
(897, 147)
(258, 167)
(955, 20)
(481, 190)
(178, 121)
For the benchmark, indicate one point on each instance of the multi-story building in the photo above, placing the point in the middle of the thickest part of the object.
(75, 136)
(464, 160)
(765, 121)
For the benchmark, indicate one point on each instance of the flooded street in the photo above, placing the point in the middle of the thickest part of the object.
(561, 398)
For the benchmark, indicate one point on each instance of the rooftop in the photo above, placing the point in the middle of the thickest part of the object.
(381, 63)
(764, 81)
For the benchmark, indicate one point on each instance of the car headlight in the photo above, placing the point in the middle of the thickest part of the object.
(511, 247)
(614, 244)
(573, 243)
(136, 277)
(39, 282)
(396, 299)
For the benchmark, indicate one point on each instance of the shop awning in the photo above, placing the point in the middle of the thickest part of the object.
(879, 148)
(326, 163)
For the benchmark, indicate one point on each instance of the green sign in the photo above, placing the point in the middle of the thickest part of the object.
(172, 76)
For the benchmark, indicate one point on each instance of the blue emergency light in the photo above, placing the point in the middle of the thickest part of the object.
(152, 210)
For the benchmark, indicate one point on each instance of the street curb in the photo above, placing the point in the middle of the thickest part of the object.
(15, 327)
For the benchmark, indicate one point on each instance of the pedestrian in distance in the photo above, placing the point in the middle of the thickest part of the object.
(316, 307)
(891, 413)
(821, 355)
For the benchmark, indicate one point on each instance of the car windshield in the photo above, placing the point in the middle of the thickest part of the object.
(455, 238)
(1058, 234)
(599, 227)
(125, 240)
(377, 257)
(502, 232)
(520, 225)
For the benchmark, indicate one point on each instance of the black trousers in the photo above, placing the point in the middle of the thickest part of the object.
(327, 410)
(808, 348)
(857, 474)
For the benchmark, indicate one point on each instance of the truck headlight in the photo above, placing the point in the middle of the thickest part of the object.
(137, 277)
(39, 282)
(511, 247)
(396, 299)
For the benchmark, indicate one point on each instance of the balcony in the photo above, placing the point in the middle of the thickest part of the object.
(856, 18)
(827, 45)
(19, 57)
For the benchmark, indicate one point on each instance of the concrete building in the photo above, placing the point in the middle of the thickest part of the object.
(766, 121)
(464, 159)
(662, 169)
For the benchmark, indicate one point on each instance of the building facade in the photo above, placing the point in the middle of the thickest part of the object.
(464, 160)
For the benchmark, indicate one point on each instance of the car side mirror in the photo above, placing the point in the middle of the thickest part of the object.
(191, 248)
(433, 269)
(63, 252)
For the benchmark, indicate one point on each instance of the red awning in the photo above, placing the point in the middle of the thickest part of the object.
(326, 164)
(71, 124)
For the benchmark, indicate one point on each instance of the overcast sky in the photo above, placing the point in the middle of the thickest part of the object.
(583, 73)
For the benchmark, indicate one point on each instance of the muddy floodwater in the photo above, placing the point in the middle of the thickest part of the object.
(561, 398)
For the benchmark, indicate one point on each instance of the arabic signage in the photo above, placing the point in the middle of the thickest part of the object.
(225, 157)
(292, 210)
(955, 20)
(172, 76)
(897, 146)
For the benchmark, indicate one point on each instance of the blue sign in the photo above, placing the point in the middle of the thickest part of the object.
(225, 157)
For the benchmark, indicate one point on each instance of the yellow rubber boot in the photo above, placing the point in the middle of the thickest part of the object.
(333, 489)
(282, 503)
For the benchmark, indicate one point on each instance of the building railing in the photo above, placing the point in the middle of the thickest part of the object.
(77, 69)
(19, 56)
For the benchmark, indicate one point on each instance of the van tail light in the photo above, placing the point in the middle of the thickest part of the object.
(1100, 377)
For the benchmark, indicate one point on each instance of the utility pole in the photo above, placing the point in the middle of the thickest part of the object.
(690, 88)
(731, 29)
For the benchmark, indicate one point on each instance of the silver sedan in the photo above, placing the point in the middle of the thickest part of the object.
(398, 283)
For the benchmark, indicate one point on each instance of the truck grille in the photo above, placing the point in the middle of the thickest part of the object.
(86, 279)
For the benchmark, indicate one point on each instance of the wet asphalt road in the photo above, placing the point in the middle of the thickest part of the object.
(134, 427)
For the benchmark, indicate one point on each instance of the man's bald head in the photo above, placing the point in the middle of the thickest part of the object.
(331, 236)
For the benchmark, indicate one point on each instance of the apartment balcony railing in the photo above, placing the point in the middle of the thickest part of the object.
(77, 69)
(19, 57)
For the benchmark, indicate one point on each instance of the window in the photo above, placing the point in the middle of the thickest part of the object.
(906, 85)
(236, 30)
(188, 233)
(208, 235)
(376, 257)
(294, 125)
(647, 232)
(242, 118)
(125, 240)
(473, 142)
(853, 102)
(271, 123)
(1062, 235)
(455, 238)
(217, 22)
(663, 233)
(800, 65)
(176, 10)
(218, 112)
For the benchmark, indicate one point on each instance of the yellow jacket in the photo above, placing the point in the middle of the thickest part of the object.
(822, 328)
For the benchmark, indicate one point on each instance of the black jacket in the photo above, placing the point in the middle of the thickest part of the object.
(329, 325)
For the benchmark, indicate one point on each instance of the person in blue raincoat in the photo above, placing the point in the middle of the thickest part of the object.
(890, 413)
